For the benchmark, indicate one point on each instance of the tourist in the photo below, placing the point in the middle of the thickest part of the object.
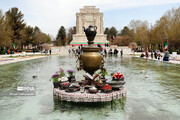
(121, 52)
(46, 51)
(105, 52)
(142, 55)
(101, 48)
(110, 51)
(151, 54)
(159, 54)
(147, 54)
(69, 51)
(155, 54)
(166, 55)
(50, 51)
(73, 49)
(77, 51)
(115, 51)
(33, 50)
(8, 51)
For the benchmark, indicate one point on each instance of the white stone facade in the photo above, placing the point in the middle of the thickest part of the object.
(89, 15)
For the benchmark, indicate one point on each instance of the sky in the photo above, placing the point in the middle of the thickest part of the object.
(50, 15)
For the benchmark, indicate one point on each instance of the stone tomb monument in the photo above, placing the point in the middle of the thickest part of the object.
(89, 15)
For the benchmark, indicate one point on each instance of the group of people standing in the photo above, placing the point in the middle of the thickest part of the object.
(102, 51)
(157, 54)
(76, 51)
(109, 52)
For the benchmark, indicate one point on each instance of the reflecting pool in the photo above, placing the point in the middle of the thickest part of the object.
(153, 91)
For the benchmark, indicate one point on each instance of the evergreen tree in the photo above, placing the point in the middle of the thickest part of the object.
(5, 32)
(113, 32)
(71, 31)
(61, 36)
(125, 31)
(16, 22)
(29, 31)
(107, 33)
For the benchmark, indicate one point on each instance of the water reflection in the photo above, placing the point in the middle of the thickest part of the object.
(71, 106)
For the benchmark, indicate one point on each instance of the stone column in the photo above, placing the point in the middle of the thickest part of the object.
(95, 19)
(101, 24)
(77, 24)
(83, 21)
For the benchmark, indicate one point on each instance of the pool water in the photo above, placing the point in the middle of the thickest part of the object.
(153, 91)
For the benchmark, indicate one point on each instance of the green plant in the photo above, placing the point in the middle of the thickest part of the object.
(103, 73)
(70, 72)
(55, 78)
(61, 72)
(3, 52)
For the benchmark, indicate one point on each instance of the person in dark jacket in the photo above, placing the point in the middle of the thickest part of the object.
(166, 55)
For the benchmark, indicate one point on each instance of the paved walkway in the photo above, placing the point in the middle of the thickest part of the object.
(18, 57)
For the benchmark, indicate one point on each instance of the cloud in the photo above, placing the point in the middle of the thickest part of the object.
(49, 15)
